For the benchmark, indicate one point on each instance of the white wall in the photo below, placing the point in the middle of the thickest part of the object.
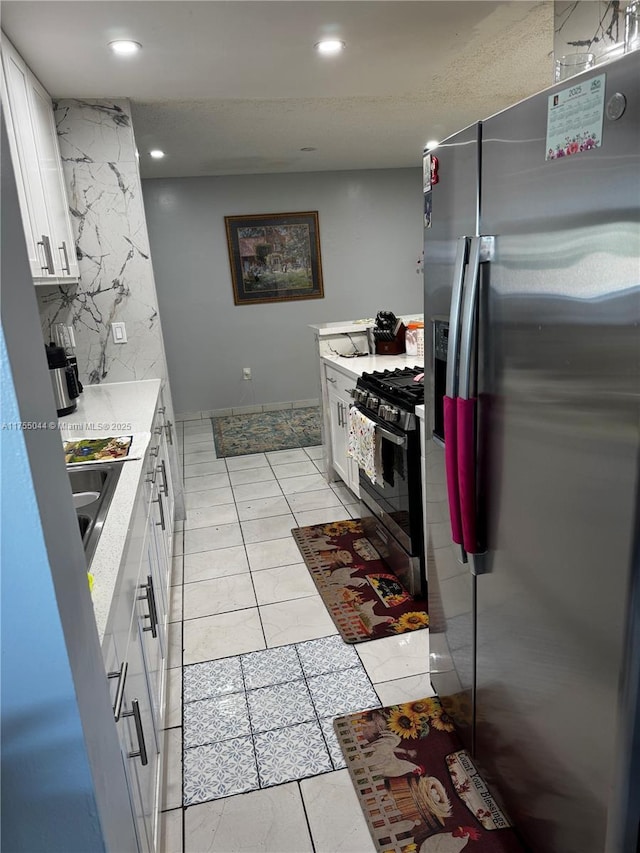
(370, 237)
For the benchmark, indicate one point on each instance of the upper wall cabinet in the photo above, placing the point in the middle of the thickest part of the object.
(36, 161)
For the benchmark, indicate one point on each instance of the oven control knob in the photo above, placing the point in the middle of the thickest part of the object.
(393, 415)
(373, 403)
(361, 396)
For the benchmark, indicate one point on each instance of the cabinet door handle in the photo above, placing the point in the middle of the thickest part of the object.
(46, 247)
(339, 413)
(163, 470)
(65, 263)
(150, 598)
(158, 430)
(137, 719)
(121, 675)
(169, 431)
(162, 410)
(158, 501)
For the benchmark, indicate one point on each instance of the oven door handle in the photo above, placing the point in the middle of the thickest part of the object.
(399, 440)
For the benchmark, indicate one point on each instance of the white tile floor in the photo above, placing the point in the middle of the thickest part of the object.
(240, 588)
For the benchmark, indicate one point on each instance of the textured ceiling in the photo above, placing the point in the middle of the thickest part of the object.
(235, 87)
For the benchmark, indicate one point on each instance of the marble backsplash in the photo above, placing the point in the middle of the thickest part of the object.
(98, 151)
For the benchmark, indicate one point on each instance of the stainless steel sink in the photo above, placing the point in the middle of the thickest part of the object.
(92, 487)
(87, 484)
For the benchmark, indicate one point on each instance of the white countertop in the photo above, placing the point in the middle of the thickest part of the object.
(118, 408)
(347, 326)
(420, 412)
(343, 326)
(355, 367)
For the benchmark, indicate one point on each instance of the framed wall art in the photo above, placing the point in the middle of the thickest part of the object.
(274, 257)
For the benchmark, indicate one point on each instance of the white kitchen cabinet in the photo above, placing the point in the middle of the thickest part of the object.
(39, 177)
(339, 399)
(140, 735)
(135, 643)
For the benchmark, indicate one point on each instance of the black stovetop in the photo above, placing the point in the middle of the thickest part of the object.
(396, 386)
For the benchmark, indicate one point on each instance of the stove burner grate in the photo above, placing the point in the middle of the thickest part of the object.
(395, 386)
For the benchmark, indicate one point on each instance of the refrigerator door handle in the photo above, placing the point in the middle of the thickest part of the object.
(449, 402)
(482, 250)
(451, 388)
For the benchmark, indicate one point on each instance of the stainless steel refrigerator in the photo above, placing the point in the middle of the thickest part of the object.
(532, 301)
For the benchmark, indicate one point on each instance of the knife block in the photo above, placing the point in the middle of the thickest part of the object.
(395, 346)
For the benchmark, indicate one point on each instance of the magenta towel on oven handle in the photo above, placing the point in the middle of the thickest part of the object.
(466, 416)
(451, 466)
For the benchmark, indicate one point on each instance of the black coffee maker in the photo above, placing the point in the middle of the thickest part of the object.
(66, 386)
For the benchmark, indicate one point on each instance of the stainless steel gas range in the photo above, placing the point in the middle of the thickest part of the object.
(392, 512)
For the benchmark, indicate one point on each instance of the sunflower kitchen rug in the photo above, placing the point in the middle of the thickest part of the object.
(364, 599)
(417, 786)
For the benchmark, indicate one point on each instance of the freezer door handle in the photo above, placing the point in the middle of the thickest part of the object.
(451, 388)
(482, 251)
(451, 467)
(466, 441)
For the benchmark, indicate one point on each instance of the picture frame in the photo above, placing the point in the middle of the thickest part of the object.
(274, 257)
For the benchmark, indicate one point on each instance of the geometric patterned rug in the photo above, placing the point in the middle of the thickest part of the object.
(262, 432)
(364, 598)
(418, 788)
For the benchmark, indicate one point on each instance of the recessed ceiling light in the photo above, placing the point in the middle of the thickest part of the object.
(431, 144)
(308, 148)
(329, 47)
(157, 154)
(124, 47)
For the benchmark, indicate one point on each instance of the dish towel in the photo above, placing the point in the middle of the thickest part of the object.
(364, 444)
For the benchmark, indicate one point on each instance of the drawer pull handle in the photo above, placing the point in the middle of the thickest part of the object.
(65, 264)
(137, 719)
(165, 485)
(48, 257)
(150, 597)
(331, 379)
(158, 501)
(121, 675)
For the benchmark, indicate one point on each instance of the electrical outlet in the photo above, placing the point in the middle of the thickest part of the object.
(246, 373)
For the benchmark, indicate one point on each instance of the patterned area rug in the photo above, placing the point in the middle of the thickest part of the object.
(364, 599)
(417, 786)
(235, 435)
